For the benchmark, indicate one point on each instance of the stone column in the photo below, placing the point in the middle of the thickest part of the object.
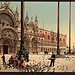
(1, 50)
(16, 46)
(30, 44)
(9, 47)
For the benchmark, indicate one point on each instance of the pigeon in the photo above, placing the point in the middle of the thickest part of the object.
(59, 68)
(53, 69)
(66, 68)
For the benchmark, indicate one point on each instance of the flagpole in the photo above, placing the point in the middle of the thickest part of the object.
(58, 52)
(22, 22)
(70, 28)
(22, 45)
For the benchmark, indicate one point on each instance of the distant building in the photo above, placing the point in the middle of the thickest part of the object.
(40, 40)
(50, 41)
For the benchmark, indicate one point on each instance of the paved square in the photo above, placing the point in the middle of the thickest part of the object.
(42, 63)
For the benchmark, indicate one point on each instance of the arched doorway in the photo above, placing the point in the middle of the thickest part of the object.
(10, 40)
(5, 49)
(34, 45)
(6, 46)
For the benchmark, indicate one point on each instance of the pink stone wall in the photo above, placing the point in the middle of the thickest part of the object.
(46, 33)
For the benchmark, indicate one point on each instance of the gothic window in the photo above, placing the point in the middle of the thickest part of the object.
(60, 39)
(63, 40)
(48, 37)
(52, 38)
(45, 32)
(40, 32)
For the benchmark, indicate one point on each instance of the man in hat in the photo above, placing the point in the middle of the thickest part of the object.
(52, 59)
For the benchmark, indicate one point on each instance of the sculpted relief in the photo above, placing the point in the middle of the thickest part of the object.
(6, 19)
(8, 34)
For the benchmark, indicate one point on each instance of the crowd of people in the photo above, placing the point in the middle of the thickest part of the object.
(15, 61)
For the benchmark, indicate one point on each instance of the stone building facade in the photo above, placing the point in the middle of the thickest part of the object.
(9, 35)
(35, 40)
(40, 40)
(50, 41)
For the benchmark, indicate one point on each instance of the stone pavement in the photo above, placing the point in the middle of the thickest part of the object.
(61, 64)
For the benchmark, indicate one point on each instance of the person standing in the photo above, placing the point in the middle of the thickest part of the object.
(16, 62)
(3, 58)
(52, 59)
(27, 56)
(10, 61)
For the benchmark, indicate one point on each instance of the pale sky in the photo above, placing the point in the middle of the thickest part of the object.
(48, 11)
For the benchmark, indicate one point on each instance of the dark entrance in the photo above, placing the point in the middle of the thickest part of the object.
(5, 49)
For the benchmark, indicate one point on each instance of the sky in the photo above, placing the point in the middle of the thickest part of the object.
(48, 12)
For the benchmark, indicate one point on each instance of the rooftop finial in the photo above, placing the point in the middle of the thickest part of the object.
(6, 3)
(17, 8)
(36, 18)
(27, 15)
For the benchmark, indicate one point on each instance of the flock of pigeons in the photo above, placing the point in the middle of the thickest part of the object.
(43, 66)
